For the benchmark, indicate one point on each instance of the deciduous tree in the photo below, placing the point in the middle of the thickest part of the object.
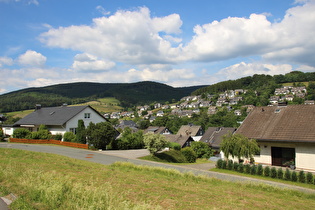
(239, 146)
(154, 142)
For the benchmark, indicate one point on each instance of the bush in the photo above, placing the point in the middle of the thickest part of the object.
(260, 170)
(287, 174)
(247, 168)
(302, 176)
(189, 154)
(273, 172)
(21, 133)
(69, 136)
(235, 166)
(41, 134)
(230, 164)
(294, 176)
(219, 163)
(224, 164)
(58, 136)
(267, 171)
(1, 134)
(253, 170)
(241, 168)
(280, 173)
(309, 178)
(174, 146)
(202, 149)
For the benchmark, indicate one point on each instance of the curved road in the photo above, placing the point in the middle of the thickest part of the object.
(109, 157)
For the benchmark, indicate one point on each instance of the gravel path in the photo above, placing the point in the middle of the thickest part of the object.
(109, 157)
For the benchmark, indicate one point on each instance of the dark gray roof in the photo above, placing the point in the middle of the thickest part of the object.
(51, 115)
(213, 135)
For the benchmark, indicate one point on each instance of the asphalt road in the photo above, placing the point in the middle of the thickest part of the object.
(109, 157)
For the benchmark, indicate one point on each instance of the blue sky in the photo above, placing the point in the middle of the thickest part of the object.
(179, 43)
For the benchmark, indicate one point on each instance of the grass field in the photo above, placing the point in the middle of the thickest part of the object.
(47, 181)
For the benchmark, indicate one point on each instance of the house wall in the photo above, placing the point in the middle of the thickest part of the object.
(94, 117)
(56, 130)
(304, 154)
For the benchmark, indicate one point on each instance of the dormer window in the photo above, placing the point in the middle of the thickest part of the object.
(87, 115)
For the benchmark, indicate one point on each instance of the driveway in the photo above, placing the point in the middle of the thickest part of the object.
(109, 157)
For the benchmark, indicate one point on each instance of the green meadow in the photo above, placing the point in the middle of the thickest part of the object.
(48, 181)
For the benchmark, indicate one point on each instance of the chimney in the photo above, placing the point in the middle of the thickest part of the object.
(38, 107)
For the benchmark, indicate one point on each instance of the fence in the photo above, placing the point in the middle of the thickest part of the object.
(49, 141)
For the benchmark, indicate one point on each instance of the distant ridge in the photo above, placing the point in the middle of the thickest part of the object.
(129, 94)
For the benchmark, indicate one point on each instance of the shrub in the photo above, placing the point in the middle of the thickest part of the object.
(247, 168)
(302, 176)
(273, 172)
(41, 134)
(253, 170)
(280, 173)
(21, 133)
(174, 146)
(189, 154)
(69, 136)
(202, 149)
(219, 163)
(230, 164)
(1, 134)
(241, 168)
(260, 170)
(58, 136)
(309, 178)
(287, 174)
(267, 171)
(294, 176)
(235, 166)
(224, 164)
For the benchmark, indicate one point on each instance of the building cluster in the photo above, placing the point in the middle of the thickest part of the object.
(288, 93)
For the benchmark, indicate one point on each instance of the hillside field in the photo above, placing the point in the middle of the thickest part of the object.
(48, 181)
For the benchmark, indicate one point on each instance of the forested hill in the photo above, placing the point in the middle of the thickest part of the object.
(260, 83)
(129, 94)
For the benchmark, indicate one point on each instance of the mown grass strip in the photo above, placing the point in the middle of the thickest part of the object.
(47, 181)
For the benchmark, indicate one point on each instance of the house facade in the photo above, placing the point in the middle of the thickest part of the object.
(285, 135)
(59, 119)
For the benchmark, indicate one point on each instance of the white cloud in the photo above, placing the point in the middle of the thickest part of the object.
(87, 62)
(6, 61)
(32, 58)
(126, 36)
(101, 9)
(248, 69)
(25, 1)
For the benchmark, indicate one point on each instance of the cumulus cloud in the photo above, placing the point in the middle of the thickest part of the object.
(127, 36)
(87, 62)
(291, 39)
(32, 58)
(248, 69)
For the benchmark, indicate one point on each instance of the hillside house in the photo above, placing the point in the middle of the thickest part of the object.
(183, 141)
(157, 130)
(213, 136)
(284, 134)
(195, 131)
(60, 119)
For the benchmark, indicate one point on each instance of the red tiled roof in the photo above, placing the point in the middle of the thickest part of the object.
(295, 123)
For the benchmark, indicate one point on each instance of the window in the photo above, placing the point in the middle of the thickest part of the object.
(87, 115)
(73, 130)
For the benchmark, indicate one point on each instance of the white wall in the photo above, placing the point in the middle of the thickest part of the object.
(94, 117)
(305, 157)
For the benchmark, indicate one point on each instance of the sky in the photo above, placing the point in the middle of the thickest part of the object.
(175, 42)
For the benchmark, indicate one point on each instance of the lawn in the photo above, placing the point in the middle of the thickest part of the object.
(48, 181)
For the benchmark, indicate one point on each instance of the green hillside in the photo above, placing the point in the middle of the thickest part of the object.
(128, 94)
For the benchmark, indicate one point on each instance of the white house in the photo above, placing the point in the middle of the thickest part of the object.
(60, 119)
(284, 134)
